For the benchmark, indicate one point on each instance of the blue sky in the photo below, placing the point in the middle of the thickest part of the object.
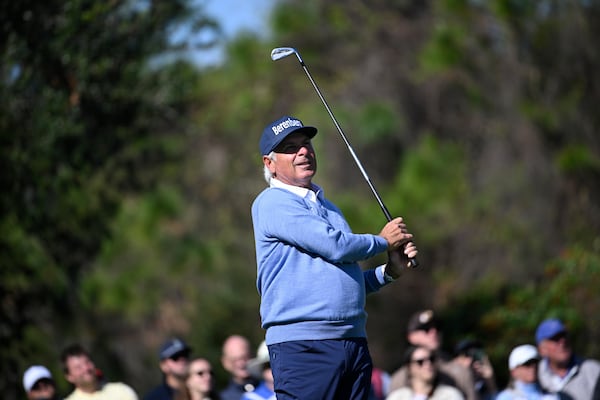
(235, 16)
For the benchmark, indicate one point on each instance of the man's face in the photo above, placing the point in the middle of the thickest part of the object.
(427, 336)
(177, 365)
(81, 372)
(295, 161)
(557, 349)
(42, 389)
(236, 354)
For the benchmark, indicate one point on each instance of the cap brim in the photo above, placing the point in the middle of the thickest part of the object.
(309, 130)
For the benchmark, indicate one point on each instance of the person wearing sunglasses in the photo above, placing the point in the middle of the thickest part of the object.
(561, 370)
(39, 384)
(423, 381)
(522, 364)
(174, 357)
(201, 380)
(424, 329)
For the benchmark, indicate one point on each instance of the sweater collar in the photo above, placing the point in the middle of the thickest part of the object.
(310, 194)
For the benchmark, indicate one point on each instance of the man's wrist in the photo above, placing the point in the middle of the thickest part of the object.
(387, 277)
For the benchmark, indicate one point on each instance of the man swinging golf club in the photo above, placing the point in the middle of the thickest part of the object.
(311, 285)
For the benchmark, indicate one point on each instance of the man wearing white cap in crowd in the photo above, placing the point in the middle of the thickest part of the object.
(260, 368)
(560, 370)
(39, 384)
(522, 363)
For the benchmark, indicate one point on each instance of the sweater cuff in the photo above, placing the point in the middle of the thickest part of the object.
(379, 274)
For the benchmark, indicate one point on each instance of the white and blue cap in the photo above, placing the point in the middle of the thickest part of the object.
(276, 131)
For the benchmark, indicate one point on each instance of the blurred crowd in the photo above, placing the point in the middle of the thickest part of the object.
(545, 369)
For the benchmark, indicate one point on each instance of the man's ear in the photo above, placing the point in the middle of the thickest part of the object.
(268, 162)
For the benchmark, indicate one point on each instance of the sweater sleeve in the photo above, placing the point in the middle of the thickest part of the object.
(318, 229)
(372, 281)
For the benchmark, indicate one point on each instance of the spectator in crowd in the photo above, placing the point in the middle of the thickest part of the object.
(423, 329)
(260, 368)
(561, 370)
(39, 384)
(312, 288)
(380, 384)
(234, 358)
(523, 385)
(201, 380)
(422, 380)
(81, 372)
(173, 355)
(470, 354)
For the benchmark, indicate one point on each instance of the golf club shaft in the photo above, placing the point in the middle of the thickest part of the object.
(350, 149)
(283, 52)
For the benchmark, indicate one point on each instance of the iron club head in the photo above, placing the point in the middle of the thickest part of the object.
(281, 52)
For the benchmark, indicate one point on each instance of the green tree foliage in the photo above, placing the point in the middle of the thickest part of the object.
(85, 118)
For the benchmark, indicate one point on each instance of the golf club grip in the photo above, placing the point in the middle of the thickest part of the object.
(412, 262)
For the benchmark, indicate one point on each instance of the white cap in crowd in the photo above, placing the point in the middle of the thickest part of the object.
(521, 354)
(34, 374)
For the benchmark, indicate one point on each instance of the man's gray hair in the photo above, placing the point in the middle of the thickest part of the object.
(266, 172)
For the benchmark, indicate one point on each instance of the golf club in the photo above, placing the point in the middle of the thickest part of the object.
(281, 52)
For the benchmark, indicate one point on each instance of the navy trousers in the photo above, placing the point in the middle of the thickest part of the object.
(337, 369)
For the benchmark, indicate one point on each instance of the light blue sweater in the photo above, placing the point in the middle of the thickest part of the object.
(310, 283)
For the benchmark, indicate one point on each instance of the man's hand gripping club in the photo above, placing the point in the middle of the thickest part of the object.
(400, 247)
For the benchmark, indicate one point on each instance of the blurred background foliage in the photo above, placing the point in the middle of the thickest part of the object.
(128, 170)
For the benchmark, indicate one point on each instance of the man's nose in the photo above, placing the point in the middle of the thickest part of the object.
(302, 149)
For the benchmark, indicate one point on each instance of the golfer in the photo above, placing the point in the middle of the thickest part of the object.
(312, 288)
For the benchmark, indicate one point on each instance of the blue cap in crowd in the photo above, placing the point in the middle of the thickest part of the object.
(172, 347)
(549, 328)
(278, 130)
